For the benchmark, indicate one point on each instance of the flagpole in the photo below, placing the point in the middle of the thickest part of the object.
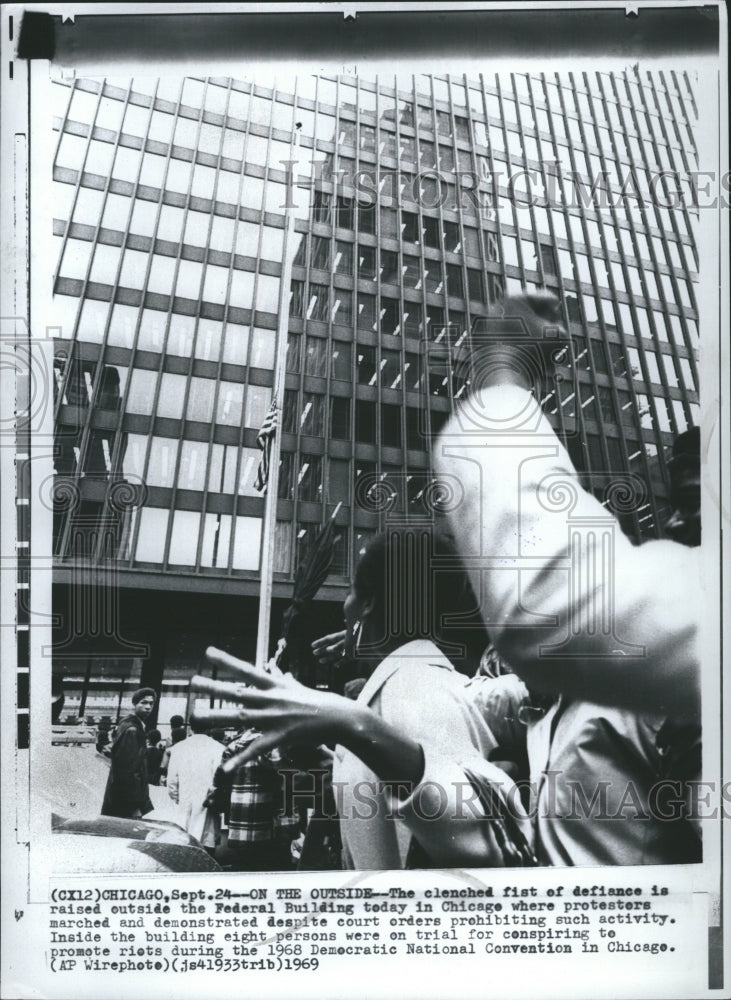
(272, 487)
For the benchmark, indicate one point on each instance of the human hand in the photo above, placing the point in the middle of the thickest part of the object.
(329, 648)
(284, 711)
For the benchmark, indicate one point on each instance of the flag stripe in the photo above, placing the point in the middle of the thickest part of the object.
(264, 441)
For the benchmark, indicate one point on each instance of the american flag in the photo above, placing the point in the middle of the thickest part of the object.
(264, 440)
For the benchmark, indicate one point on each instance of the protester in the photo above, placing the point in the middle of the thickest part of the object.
(252, 799)
(412, 705)
(127, 792)
(193, 763)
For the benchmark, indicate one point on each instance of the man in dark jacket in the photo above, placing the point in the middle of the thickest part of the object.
(127, 793)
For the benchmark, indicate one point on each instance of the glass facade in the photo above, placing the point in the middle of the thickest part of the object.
(417, 203)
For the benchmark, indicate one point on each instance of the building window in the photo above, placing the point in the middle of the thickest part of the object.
(343, 258)
(391, 425)
(296, 298)
(321, 253)
(410, 230)
(340, 418)
(318, 303)
(342, 309)
(475, 285)
(311, 420)
(390, 322)
(309, 478)
(340, 360)
(366, 311)
(366, 365)
(454, 280)
(316, 356)
(365, 422)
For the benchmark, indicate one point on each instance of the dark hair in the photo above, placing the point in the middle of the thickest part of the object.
(176, 721)
(143, 693)
(419, 589)
(154, 736)
(178, 734)
(197, 724)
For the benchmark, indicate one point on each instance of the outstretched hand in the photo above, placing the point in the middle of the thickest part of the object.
(329, 648)
(284, 711)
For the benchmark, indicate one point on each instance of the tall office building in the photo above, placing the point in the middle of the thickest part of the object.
(373, 221)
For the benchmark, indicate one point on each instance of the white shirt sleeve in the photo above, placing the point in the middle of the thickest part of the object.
(570, 603)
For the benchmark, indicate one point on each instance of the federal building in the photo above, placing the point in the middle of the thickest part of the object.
(372, 221)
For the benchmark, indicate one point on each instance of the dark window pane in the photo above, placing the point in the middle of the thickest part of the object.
(390, 267)
(344, 212)
(309, 478)
(321, 253)
(414, 437)
(316, 356)
(365, 422)
(367, 219)
(391, 425)
(300, 259)
(367, 263)
(342, 310)
(346, 135)
(296, 298)
(321, 206)
(311, 421)
(340, 418)
(366, 311)
(318, 303)
(475, 284)
(454, 280)
(366, 365)
(452, 239)
(343, 257)
(285, 490)
(340, 360)
(290, 411)
(294, 346)
(410, 231)
(431, 232)
(434, 279)
(390, 322)
(462, 128)
(411, 272)
(338, 482)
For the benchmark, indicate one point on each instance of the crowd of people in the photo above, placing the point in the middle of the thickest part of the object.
(577, 740)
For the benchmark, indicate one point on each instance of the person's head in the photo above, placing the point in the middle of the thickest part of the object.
(176, 721)
(197, 724)
(178, 735)
(154, 736)
(143, 702)
(684, 523)
(407, 584)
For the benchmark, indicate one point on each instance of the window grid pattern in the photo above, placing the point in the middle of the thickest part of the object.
(428, 200)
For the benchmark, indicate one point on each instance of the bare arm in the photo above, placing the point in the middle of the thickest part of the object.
(571, 604)
(286, 712)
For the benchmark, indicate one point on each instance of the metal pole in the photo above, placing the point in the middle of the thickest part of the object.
(272, 488)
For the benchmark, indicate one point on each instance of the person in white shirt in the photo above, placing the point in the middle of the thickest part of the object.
(193, 763)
